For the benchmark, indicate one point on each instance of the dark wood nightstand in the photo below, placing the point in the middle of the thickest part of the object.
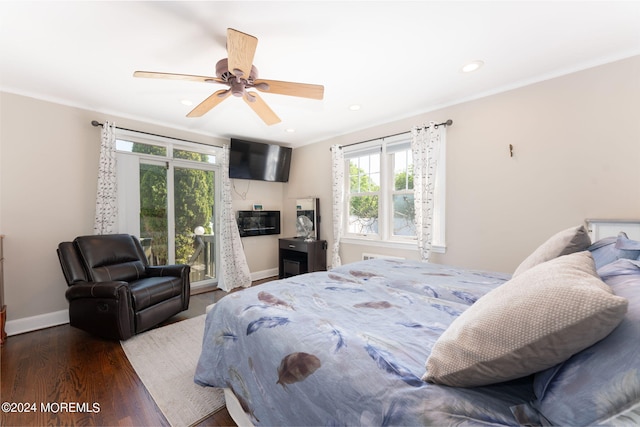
(297, 256)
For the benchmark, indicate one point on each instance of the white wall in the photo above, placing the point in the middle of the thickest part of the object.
(576, 144)
(261, 251)
(48, 177)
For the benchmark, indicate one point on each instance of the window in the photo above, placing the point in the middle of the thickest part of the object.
(364, 193)
(379, 202)
(167, 195)
(403, 212)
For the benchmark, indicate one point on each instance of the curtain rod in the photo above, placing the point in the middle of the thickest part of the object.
(447, 123)
(97, 123)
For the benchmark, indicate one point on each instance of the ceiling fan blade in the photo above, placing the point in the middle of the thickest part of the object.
(241, 49)
(206, 105)
(303, 90)
(261, 108)
(171, 76)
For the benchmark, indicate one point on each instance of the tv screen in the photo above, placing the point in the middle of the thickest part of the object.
(259, 161)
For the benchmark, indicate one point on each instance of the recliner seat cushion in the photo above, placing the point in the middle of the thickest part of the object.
(152, 290)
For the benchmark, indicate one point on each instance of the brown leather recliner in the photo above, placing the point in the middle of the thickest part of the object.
(113, 292)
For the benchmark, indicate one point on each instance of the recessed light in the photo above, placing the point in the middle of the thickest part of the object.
(289, 130)
(186, 102)
(354, 107)
(472, 66)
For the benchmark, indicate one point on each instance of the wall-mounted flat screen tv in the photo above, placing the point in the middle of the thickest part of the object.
(259, 161)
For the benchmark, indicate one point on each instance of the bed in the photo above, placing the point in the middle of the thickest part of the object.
(400, 342)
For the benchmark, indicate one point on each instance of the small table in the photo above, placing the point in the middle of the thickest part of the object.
(297, 256)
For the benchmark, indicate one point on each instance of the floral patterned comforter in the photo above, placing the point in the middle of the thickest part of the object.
(348, 347)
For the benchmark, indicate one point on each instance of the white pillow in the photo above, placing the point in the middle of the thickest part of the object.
(530, 323)
(565, 242)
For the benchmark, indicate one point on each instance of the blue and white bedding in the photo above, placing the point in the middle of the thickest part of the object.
(348, 347)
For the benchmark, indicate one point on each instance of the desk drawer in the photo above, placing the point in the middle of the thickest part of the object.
(294, 245)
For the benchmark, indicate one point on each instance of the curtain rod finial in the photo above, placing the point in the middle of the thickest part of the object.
(95, 123)
(449, 122)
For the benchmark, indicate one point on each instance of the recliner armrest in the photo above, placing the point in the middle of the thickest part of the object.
(175, 270)
(95, 290)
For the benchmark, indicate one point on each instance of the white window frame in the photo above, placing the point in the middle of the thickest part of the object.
(362, 150)
(385, 237)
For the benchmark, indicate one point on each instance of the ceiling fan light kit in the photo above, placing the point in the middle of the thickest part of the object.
(238, 72)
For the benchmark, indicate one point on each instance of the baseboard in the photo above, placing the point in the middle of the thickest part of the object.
(264, 274)
(33, 323)
(47, 320)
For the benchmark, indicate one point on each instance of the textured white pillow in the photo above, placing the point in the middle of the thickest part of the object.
(565, 242)
(530, 323)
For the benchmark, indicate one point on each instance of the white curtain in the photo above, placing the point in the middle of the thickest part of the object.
(234, 268)
(106, 219)
(337, 175)
(425, 143)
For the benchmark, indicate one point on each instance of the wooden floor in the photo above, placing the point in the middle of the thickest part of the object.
(41, 371)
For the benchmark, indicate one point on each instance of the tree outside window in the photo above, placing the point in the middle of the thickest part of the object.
(364, 178)
(380, 201)
(193, 203)
(382, 208)
(404, 213)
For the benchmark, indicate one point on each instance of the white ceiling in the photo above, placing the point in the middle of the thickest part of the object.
(396, 59)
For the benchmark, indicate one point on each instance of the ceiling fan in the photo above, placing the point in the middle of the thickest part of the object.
(237, 72)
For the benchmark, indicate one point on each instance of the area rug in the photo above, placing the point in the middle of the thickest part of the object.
(165, 360)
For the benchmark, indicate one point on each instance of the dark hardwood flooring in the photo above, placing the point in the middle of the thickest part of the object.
(62, 364)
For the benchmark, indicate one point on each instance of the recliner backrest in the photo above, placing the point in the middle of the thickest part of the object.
(112, 257)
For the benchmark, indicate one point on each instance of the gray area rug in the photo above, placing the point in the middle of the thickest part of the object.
(165, 360)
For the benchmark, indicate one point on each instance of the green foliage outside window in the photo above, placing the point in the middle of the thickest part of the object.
(153, 210)
(404, 211)
(366, 206)
(193, 202)
(402, 181)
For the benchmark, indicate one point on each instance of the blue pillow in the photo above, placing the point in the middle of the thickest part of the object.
(601, 384)
(610, 249)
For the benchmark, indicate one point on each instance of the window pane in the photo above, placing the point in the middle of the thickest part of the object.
(403, 170)
(354, 175)
(153, 213)
(404, 215)
(364, 174)
(194, 240)
(138, 147)
(193, 155)
(363, 215)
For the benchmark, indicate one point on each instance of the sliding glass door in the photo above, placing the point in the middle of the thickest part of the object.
(193, 225)
(167, 197)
